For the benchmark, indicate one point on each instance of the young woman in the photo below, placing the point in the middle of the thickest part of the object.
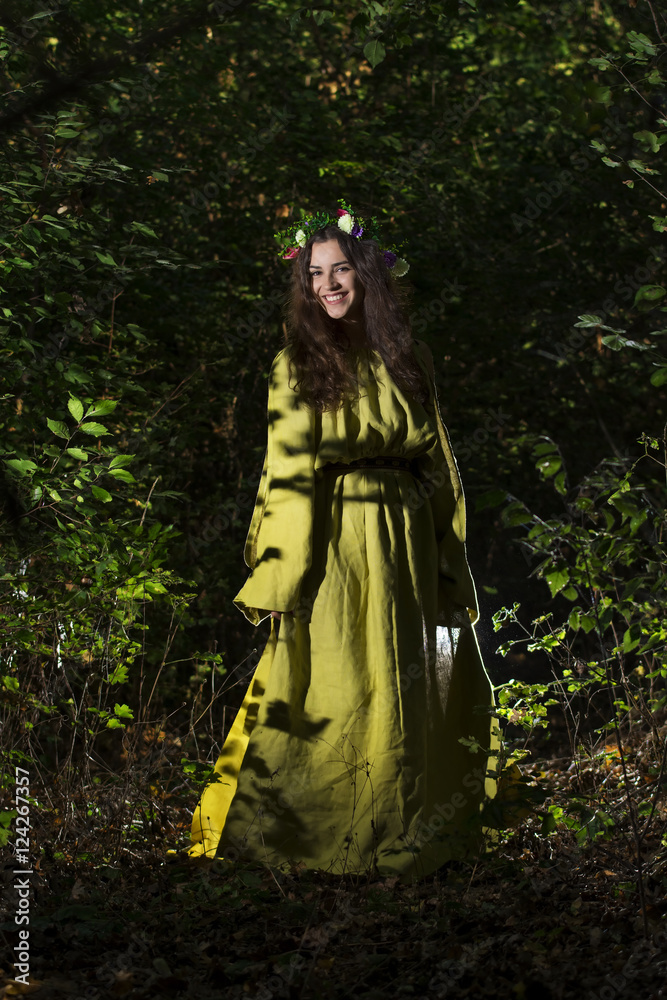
(346, 755)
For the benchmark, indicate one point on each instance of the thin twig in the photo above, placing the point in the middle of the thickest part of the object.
(148, 498)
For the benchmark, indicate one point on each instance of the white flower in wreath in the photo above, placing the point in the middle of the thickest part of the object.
(301, 238)
(346, 223)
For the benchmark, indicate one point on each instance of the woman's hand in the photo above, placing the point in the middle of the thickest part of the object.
(278, 614)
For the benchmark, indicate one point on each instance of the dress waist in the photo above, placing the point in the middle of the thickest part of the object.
(379, 462)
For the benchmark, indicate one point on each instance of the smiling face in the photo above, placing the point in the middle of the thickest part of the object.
(335, 283)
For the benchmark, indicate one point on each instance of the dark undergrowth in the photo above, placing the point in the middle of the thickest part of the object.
(117, 909)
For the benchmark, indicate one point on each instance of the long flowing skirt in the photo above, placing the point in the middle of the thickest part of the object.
(346, 754)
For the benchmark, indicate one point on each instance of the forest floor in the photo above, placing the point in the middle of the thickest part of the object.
(543, 915)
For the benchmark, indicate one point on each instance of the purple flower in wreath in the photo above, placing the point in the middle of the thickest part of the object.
(357, 230)
(389, 258)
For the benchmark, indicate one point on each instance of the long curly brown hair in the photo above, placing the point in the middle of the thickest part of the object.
(318, 345)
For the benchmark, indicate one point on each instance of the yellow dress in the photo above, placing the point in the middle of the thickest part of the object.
(345, 753)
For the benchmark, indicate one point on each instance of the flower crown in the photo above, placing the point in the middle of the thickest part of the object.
(295, 237)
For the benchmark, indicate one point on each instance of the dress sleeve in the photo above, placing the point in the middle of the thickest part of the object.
(278, 549)
(442, 484)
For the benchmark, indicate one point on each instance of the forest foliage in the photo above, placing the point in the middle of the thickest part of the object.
(518, 149)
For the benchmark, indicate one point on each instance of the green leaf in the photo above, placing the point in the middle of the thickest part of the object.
(549, 465)
(123, 711)
(123, 475)
(647, 140)
(77, 453)
(659, 377)
(375, 52)
(616, 343)
(101, 494)
(119, 675)
(549, 824)
(101, 408)
(58, 427)
(92, 428)
(637, 521)
(75, 407)
(641, 45)
(516, 513)
(588, 320)
(545, 448)
(21, 465)
(557, 579)
(649, 294)
(105, 258)
(560, 483)
(145, 230)
(631, 639)
(640, 167)
(120, 460)
(493, 498)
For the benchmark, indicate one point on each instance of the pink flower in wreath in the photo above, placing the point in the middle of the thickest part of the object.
(292, 252)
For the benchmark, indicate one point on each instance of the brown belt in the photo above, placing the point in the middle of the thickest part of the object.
(380, 462)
